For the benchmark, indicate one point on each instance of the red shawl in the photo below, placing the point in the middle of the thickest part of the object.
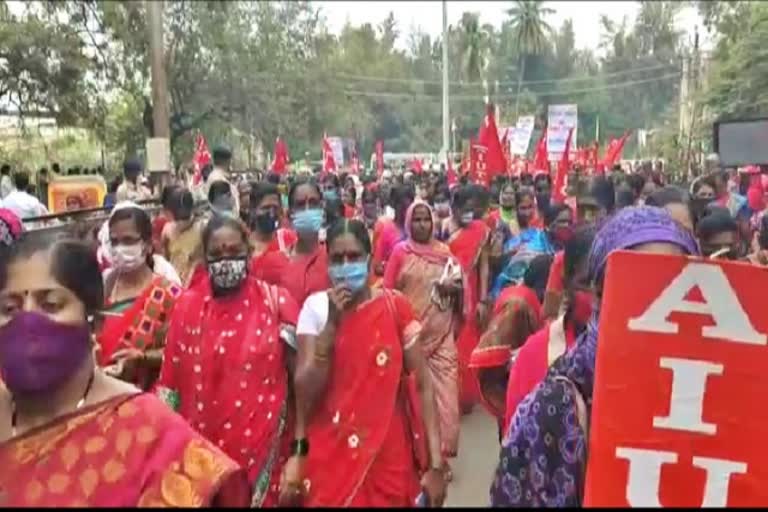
(225, 371)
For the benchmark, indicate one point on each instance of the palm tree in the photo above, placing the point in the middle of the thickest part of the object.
(529, 33)
(474, 44)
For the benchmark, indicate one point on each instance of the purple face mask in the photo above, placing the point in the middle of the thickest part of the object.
(38, 354)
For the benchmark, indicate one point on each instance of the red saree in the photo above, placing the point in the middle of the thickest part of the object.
(361, 448)
(516, 315)
(129, 451)
(466, 244)
(225, 372)
(142, 326)
(271, 265)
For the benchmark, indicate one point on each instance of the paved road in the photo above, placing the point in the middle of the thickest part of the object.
(473, 468)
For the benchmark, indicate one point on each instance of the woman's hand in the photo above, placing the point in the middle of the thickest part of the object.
(433, 483)
(125, 362)
(339, 298)
(291, 488)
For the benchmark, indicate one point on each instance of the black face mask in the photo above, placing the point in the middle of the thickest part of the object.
(265, 222)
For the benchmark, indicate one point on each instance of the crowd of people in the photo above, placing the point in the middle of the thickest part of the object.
(315, 340)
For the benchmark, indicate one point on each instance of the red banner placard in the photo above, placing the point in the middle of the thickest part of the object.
(679, 416)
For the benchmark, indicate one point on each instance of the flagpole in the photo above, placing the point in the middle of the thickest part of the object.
(446, 113)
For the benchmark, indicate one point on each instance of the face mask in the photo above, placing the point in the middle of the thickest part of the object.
(581, 309)
(562, 234)
(308, 221)
(227, 274)
(127, 258)
(443, 209)
(330, 194)
(467, 218)
(38, 354)
(265, 222)
(353, 275)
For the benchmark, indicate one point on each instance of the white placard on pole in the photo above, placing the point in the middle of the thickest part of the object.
(158, 155)
(561, 119)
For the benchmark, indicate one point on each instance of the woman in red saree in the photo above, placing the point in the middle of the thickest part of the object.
(228, 360)
(138, 303)
(391, 232)
(467, 239)
(306, 272)
(539, 351)
(358, 350)
(70, 436)
(516, 315)
(271, 244)
(416, 269)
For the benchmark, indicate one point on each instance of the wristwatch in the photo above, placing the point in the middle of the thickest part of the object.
(300, 447)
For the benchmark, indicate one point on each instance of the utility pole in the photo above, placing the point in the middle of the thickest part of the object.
(446, 109)
(158, 147)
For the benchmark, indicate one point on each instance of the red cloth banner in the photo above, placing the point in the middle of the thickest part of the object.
(280, 162)
(329, 163)
(678, 417)
(201, 158)
(560, 186)
(379, 149)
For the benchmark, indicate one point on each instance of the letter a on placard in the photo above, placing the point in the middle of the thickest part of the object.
(720, 303)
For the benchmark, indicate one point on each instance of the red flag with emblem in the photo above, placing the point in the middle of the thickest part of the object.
(416, 166)
(490, 155)
(329, 163)
(561, 179)
(280, 162)
(201, 158)
(379, 149)
(540, 157)
(613, 152)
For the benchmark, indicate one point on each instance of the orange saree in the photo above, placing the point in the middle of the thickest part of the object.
(467, 244)
(129, 451)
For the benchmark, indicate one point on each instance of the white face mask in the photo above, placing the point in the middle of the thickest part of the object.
(127, 258)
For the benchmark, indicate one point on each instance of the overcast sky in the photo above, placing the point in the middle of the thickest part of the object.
(428, 15)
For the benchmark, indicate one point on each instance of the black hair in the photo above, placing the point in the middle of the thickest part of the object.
(166, 195)
(762, 237)
(461, 195)
(221, 221)
(552, 211)
(444, 191)
(114, 184)
(664, 196)
(524, 192)
(218, 188)
(352, 191)
(129, 166)
(21, 181)
(206, 171)
(604, 193)
(5, 170)
(480, 193)
(73, 264)
(715, 223)
(221, 156)
(400, 195)
(708, 180)
(369, 194)
(349, 226)
(636, 183)
(624, 197)
(577, 249)
(139, 217)
(273, 178)
(261, 190)
(181, 203)
(543, 202)
(298, 183)
(537, 274)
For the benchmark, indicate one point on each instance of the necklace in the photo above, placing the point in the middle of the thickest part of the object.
(80, 403)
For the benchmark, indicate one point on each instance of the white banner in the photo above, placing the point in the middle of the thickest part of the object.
(520, 135)
(560, 120)
(338, 150)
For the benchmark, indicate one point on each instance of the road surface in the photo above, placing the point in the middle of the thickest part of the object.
(474, 467)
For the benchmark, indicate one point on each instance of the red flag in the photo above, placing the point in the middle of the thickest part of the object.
(329, 163)
(540, 157)
(201, 158)
(450, 174)
(490, 156)
(279, 164)
(592, 157)
(561, 179)
(379, 149)
(614, 149)
(416, 166)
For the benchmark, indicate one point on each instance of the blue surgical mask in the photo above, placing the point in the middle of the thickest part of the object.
(331, 194)
(467, 218)
(308, 221)
(353, 275)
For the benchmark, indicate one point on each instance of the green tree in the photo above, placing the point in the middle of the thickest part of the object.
(529, 31)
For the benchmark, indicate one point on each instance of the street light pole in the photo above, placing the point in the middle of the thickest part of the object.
(446, 110)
